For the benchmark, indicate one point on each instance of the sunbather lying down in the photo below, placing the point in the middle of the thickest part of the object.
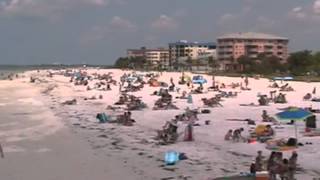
(70, 102)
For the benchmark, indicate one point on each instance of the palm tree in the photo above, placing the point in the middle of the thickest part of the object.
(213, 63)
(189, 63)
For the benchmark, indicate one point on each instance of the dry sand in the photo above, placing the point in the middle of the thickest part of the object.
(67, 142)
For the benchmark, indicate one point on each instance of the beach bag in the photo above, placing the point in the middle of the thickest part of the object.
(171, 157)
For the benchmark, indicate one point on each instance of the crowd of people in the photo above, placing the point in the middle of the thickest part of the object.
(276, 165)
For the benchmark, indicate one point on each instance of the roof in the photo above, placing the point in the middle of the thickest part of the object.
(251, 35)
(183, 42)
(146, 50)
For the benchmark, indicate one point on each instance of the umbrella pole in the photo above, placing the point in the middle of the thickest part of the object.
(296, 131)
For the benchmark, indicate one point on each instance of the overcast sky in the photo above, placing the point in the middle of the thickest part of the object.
(99, 31)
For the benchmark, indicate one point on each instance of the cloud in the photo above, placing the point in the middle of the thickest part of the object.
(96, 33)
(308, 13)
(316, 7)
(227, 19)
(115, 26)
(122, 24)
(44, 8)
(298, 13)
(180, 13)
(264, 23)
(165, 23)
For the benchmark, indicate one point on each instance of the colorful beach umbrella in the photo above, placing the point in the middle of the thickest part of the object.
(295, 114)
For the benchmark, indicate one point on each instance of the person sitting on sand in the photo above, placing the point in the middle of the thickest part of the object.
(184, 95)
(274, 85)
(266, 117)
(306, 97)
(269, 131)
(236, 137)
(263, 101)
(228, 136)
(127, 121)
(169, 132)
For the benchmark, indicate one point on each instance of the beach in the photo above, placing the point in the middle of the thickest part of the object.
(44, 139)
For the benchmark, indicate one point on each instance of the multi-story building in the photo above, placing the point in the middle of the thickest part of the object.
(193, 50)
(156, 57)
(232, 46)
(136, 53)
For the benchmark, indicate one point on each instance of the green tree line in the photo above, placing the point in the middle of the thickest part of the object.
(299, 63)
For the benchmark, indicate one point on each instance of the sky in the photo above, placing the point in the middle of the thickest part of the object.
(100, 31)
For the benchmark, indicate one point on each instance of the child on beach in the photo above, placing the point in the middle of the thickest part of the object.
(228, 136)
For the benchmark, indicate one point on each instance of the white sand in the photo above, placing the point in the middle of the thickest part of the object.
(133, 149)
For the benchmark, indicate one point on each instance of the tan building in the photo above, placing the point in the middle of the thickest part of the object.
(157, 57)
(232, 46)
(182, 50)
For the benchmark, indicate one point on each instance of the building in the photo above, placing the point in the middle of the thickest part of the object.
(136, 53)
(232, 46)
(155, 57)
(183, 50)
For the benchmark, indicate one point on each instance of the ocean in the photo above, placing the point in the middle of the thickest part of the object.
(6, 70)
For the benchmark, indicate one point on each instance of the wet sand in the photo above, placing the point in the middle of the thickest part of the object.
(38, 146)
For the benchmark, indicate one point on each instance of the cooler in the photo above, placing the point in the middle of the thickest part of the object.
(263, 175)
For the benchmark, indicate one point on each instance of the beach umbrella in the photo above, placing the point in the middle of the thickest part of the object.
(293, 113)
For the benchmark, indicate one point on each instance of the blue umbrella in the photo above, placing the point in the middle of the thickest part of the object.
(296, 114)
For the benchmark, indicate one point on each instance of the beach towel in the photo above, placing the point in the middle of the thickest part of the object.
(250, 105)
(273, 145)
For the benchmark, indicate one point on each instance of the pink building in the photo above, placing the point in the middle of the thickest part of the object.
(232, 46)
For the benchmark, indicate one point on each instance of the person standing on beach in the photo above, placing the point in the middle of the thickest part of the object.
(292, 165)
(284, 170)
(271, 166)
(213, 81)
(246, 81)
(188, 133)
(259, 162)
(1, 152)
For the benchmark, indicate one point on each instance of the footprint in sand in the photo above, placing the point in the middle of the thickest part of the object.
(12, 149)
(43, 150)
